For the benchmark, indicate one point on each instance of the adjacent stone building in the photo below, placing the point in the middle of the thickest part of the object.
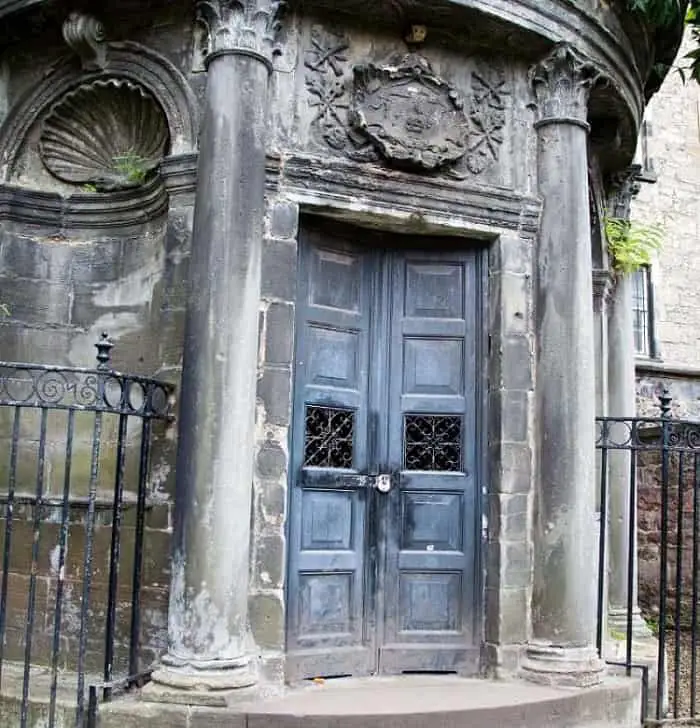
(364, 241)
(667, 301)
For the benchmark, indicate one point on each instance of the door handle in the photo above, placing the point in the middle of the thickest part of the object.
(383, 482)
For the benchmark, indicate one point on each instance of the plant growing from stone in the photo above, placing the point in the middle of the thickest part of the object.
(631, 244)
(132, 167)
(4, 310)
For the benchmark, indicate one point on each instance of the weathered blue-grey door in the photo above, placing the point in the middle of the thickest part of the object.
(384, 518)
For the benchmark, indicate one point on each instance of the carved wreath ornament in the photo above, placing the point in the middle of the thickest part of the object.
(403, 112)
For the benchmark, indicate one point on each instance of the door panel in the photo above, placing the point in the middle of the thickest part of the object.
(385, 382)
(328, 533)
(432, 525)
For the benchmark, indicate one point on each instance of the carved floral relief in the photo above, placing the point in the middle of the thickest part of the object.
(402, 113)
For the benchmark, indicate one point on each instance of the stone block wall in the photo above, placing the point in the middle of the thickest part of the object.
(62, 290)
(73, 265)
(673, 143)
(673, 117)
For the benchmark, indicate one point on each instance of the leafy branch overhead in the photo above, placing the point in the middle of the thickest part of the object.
(665, 14)
(631, 244)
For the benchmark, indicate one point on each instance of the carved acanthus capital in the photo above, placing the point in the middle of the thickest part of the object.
(86, 35)
(623, 187)
(248, 27)
(562, 83)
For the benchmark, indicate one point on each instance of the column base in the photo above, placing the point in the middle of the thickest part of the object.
(617, 624)
(207, 682)
(548, 664)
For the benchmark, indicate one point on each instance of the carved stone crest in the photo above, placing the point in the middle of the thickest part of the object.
(412, 117)
(403, 112)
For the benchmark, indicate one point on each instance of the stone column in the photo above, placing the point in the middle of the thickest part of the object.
(208, 619)
(562, 647)
(602, 284)
(622, 403)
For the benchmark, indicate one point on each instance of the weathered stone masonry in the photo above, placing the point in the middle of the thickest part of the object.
(256, 121)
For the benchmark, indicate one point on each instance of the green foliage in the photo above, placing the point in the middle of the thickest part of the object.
(631, 244)
(88, 188)
(4, 310)
(659, 12)
(666, 13)
(132, 167)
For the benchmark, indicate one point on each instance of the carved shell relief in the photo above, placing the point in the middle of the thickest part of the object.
(108, 134)
(403, 113)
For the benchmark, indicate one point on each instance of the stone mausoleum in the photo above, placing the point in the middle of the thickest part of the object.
(364, 241)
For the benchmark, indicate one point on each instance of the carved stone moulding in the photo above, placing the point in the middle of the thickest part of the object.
(410, 115)
(110, 134)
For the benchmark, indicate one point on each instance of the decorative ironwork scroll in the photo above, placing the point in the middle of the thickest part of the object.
(433, 442)
(328, 437)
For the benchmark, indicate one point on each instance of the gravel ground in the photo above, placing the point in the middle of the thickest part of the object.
(684, 673)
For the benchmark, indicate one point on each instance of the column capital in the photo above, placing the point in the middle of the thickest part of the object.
(562, 83)
(603, 284)
(240, 27)
(623, 187)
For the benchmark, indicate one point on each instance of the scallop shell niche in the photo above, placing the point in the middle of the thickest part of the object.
(107, 134)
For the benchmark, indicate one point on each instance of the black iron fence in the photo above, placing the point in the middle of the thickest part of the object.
(650, 492)
(75, 452)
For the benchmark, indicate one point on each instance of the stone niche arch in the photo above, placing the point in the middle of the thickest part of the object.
(125, 61)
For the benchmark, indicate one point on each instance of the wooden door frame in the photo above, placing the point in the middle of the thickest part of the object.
(481, 399)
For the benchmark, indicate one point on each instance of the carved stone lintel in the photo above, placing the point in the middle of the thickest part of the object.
(623, 187)
(248, 27)
(562, 83)
(85, 35)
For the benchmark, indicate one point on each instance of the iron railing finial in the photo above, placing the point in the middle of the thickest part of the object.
(104, 351)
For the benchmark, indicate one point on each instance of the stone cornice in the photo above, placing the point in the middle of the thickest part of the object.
(85, 211)
(562, 83)
(665, 369)
(244, 27)
(348, 186)
(179, 173)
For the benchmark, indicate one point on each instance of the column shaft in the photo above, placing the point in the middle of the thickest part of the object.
(208, 620)
(622, 512)
(565, 572)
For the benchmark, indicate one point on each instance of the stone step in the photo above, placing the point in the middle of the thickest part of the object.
(403, 702)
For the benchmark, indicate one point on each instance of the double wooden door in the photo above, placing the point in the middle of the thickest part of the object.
(384, 516)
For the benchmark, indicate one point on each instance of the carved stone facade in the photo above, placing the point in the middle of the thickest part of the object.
(166, 180)
(403, 113)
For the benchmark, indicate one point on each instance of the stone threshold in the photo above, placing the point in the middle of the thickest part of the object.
(408, 701)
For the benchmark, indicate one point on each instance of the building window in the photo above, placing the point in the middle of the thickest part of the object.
(643, 312)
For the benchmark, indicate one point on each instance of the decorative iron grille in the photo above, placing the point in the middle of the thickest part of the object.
(433, 442)
(328, 437)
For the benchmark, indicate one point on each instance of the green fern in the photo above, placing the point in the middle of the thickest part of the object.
(133, 167)
(631, 244)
